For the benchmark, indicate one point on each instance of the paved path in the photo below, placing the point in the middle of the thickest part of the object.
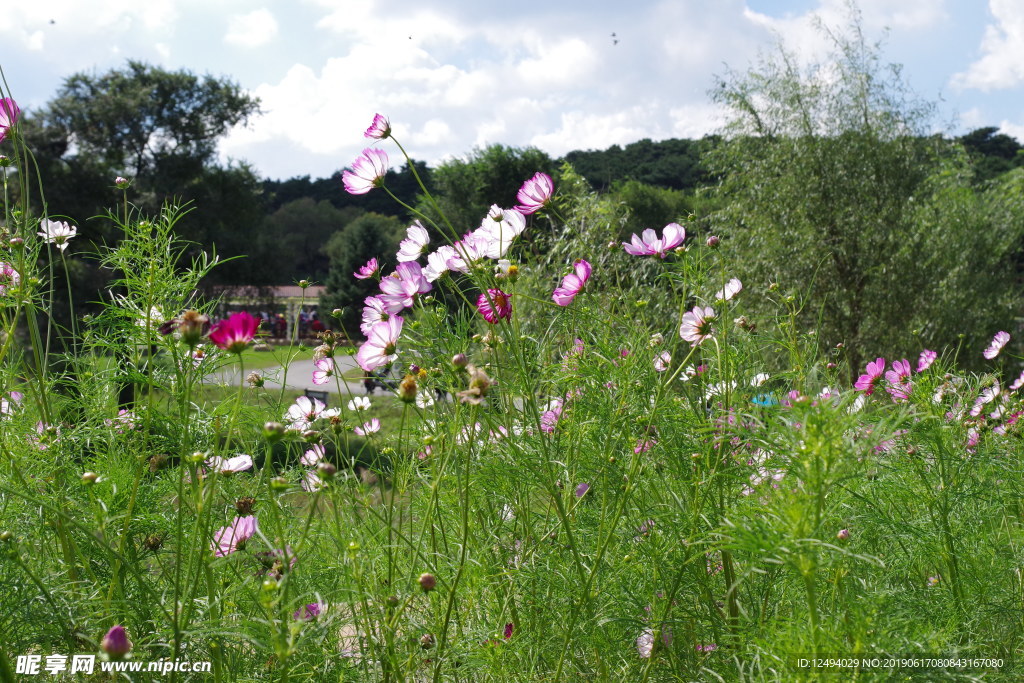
(300, 376)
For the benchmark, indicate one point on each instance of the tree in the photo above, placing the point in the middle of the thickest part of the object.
(372, 235)
(294, 239)
(831, 186)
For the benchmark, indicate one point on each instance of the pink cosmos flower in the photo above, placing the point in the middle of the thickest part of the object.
(368, 171)
(367, 271)
(310, 611)
(874, 371)
(233, 536)
(311, 481)
(371, 427)
(572, 283)
(1017, 383)
(58, 233)
(437, 262)
(305, 411)
(379, 129)
(324, 370)
(535, 193)
(926, 360)
(731, 289)
(235, 333)
(696, 325)
(239, 463)
(997, 344)
(899, 380)
(550, 417)
(662, 361)
(8, 276)
(314, 455)
(651, 245)
(401, 287)
(374, 311)
(9, 112)
(380, 348)
(414, 244)
(494, 305)
(643, 446)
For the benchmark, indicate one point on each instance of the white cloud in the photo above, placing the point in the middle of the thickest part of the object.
(255, 29)
(1013, 129)
(1002, 62)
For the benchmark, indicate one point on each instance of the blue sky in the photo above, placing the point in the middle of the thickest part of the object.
(456, 74)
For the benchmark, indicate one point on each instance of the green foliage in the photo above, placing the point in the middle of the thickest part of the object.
(992, 153)
(650, 206)
(465, 188)
(673, 164)
(831, 190)
(371, 235)
(293, 239)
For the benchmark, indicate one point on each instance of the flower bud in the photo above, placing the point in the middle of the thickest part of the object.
(427, 641)
(713, 241)
(121, 183)
(6, 537)
(304, 284)
(326, 471)
(16, 243)
(843, 535)
(427, 582)
(337, 312)
(196, 458)
(192, 325)
(273, 431)
(279, 484)
(90, 478)
(116, 643)
(460, 360)
(310, 435)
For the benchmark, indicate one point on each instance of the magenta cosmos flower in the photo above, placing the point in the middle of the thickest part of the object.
(572, 283)
(495, 304)
(235, 333)
(367, 271)
(233, 537)
(399, 290)
(367, 172)
(997, 344)
(381, 346)
(535, 193)
(8, 277)
(873, 372)
(696, 325)
(9, 112)
(649, 244)
(379, 129)
(899, 380)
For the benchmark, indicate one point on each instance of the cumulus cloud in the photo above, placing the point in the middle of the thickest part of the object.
(1002, 63)
(255, 29)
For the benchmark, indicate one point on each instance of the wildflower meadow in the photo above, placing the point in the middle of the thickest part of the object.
(592, 458)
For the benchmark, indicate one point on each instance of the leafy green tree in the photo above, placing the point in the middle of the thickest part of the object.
(371, 235)
(295, 236)
(992, 152)
(832, 189)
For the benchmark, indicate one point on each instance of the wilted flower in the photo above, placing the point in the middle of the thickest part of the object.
(58, 233)
(696, 325)
(234, 536)
(427, 582)
(379, 129)
(535, 193)
(495, 305)
(190, 327)
(572, 284)
(9, 112)
(996, 345)
(479, 384)
(116, 642)
(649, 244)
(235, 333)
(367, 270)
(255, 380)
(368, 171)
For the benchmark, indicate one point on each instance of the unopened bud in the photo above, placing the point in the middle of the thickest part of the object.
(90, 478)
(713, 241)
(337, 312)
(304, 284)
(326, 470)
(843, 534)
(121, 183)
(460, 360)
(16, 242)
(116, 642)
(427, 582)
(273, 431)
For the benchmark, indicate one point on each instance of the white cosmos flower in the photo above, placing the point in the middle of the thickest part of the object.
(58, 233)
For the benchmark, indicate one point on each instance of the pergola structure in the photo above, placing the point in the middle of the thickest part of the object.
(292, 298)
